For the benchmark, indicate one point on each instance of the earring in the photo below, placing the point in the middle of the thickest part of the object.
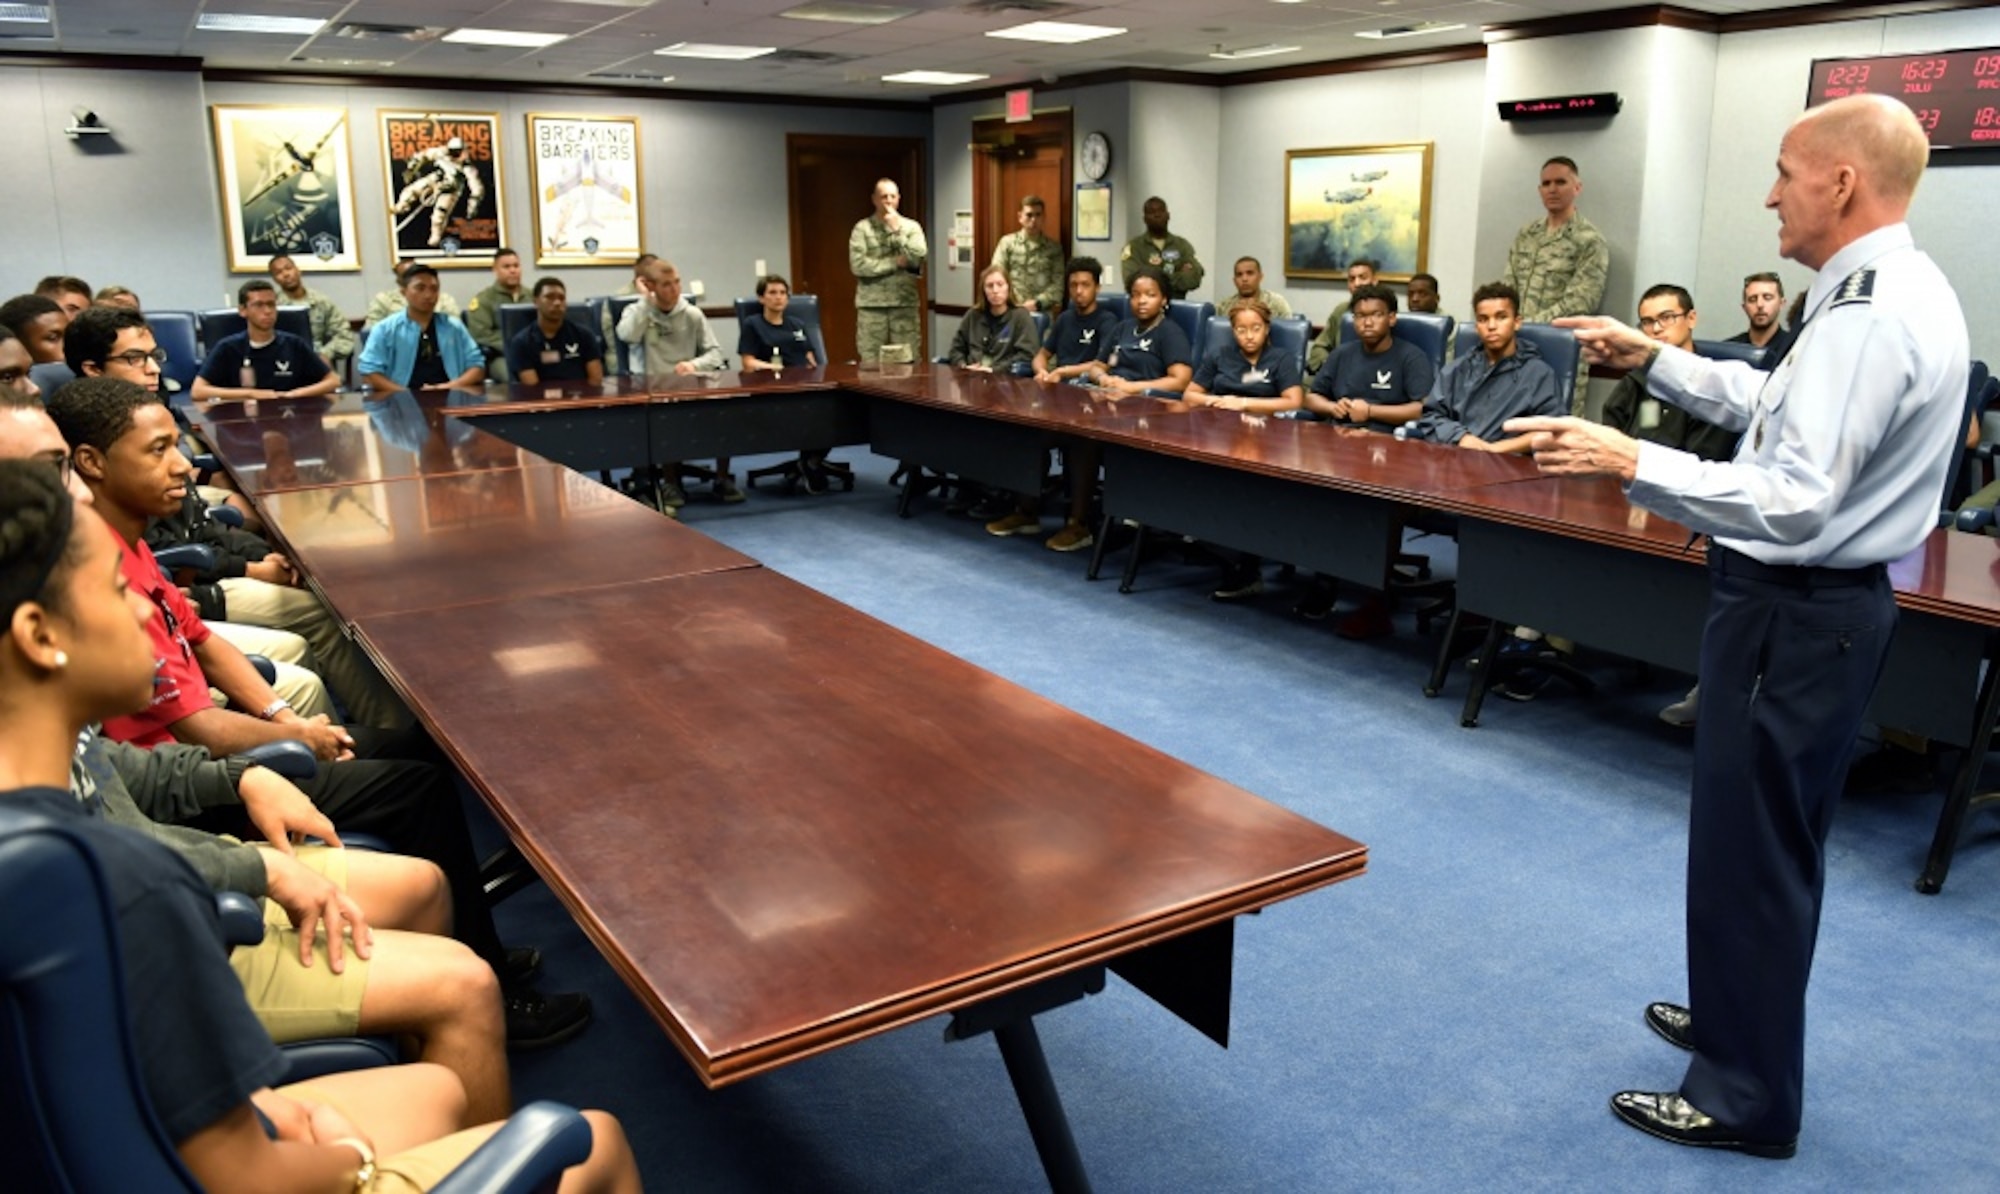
(62, 659)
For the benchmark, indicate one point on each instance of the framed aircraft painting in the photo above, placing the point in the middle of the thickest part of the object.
(442, 173)
(1370, 201)
(287, 186)
(584, 172)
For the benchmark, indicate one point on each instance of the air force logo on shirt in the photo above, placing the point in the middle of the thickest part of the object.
(571, 351)
(284, 366)
(1255, 376)
(799, 334)
(1384, 380)
(1146, 345)
(1089, 334)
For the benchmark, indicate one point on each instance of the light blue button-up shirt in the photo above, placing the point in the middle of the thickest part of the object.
(1846, 444)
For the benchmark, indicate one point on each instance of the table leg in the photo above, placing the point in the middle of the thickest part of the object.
(1028, 1069)
(1951, 818)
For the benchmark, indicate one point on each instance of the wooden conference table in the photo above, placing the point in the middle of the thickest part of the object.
(787, 825)
(1311, 494)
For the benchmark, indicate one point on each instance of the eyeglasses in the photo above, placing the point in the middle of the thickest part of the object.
(137, 358)
(1666, 319)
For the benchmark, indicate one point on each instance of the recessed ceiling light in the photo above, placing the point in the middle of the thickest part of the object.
(244, 22)
(706, 49)
(1416, 30)
(1253, 52)
(32, 14)
(840, 12)
(935, 78)
(1062, 33)
(503, 37)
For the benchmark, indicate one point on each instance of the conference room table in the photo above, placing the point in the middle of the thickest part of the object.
(1334, 499)
(780, 820)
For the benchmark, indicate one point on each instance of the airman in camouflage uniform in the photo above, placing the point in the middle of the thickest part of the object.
(1034, 263)
(1250, 289)
(886, 251)
(1558, 263)
(1172, 255)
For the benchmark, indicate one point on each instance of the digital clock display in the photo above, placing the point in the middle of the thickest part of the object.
(1955, 93)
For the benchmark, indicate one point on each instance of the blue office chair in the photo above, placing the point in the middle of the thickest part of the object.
(1192, 318)
(1730, 350)
(1428, 334)
(616, 304)
(74, 1114)
(1981, 389)
(805, 309)
(222, 322)
(174, 331)
(1116, 302)
(1464, 341)
(1558, 348)
(1042, 321)
(1292, 334)
(515, 317)
(1215, 336)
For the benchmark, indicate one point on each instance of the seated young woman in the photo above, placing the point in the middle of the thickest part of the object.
(1151, 352)
(997, 334)
(1248, 375)
(74, 651)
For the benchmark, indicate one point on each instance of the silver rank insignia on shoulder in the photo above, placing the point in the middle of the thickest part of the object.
(1857, 287)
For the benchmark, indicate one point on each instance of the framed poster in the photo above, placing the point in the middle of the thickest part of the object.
(585, 174)
(1361, 201)
(1093, 211)
(442, 174)
(287, 186)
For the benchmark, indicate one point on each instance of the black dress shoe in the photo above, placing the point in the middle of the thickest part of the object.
(1674, 1023)
(1671, 1117)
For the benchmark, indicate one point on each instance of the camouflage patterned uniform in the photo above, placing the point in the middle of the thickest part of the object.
(888, 305)
(482, 319)
(1559, 272)
(1174, 257)
(1275, 302)
(332, 337)
(1034, 267)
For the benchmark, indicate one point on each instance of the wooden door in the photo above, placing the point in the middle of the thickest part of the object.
(1012, 161)
(831, 181)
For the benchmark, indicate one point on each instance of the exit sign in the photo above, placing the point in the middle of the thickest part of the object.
(1020, 105)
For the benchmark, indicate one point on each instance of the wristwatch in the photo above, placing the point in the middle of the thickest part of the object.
(274, 708)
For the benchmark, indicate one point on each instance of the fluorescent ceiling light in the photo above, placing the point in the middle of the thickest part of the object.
(31, 14)
(935, 78)
(840, 12)
(1062, 33)
(1253, 52)
(503, 37)
(1416, 30)
(705, 49)
(613, 3)
(243, 22)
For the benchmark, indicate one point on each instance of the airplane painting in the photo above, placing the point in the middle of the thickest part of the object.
(587, 189)
(1343, 205)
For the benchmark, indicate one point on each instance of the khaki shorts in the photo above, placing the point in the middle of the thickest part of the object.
(414, 1169)
(294, 1002)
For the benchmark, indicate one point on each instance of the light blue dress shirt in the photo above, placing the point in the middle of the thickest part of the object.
(1846, 444)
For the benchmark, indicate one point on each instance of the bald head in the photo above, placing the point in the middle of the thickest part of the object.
(1844, 170)
(1879, 136)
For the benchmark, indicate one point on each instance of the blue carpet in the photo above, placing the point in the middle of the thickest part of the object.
(1453, 1020)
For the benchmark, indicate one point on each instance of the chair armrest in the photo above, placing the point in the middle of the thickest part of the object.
(228, 516)
(336, 1055)
(1973, 521)
(1022, 369)
(265, 668)
(242, 919)
(198, 556)
(293, 760)
(535, 1145)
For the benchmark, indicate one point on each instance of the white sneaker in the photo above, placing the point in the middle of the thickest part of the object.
(1682, 712)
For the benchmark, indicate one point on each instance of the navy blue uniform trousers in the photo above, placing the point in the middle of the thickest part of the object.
(1789, 659)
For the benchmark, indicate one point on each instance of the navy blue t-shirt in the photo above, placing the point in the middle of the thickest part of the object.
(1144, 355)
(286, 363)
(1228, 372)
(760, 338)
(1073, 339)
(1400, 374)
(200, 1049)
(561, 357)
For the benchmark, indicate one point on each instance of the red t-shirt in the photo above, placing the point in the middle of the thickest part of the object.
(179, 687)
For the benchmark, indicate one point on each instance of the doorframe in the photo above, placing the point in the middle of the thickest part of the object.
(1054, 126)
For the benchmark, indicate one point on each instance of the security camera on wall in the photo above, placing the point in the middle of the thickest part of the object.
(85, 123)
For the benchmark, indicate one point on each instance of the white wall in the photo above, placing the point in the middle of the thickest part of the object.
(1261, 122)
(147, 215)
(1173, 125)
(1760, 87)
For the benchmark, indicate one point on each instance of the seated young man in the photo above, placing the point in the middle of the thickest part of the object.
(1372, 379)
(675, 338)
(260, 361)
(73, 651)
(774, 341)
(1482, 390)
(420, 347)
(1079, 338)
(555, 347)
(254, 585)
(1666, 313)
(122, 447)
(39, 322)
